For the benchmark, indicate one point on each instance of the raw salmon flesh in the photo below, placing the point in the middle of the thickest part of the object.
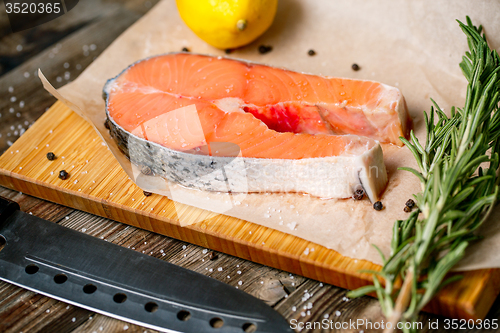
(190, 117)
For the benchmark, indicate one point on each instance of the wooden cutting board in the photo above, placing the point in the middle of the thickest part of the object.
(98, 185)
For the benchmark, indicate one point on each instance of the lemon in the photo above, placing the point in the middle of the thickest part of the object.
(228, 24)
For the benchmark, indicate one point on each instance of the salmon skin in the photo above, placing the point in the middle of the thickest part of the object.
(219, 124)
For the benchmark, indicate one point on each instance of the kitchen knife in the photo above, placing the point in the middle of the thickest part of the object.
(106, 278)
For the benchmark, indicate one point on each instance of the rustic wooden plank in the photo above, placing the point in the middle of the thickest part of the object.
(99, 323)
(22, 97)
(23, 310)
(17, 48)
(35, 206)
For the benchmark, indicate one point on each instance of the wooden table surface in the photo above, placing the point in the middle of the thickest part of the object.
(63, 48)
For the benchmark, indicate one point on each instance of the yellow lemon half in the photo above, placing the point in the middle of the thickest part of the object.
(228, 24)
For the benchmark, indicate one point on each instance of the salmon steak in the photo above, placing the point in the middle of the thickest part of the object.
(218, 124)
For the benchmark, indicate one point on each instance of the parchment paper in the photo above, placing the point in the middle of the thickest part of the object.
(414, 45)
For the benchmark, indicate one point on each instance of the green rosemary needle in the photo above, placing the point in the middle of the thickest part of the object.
(458, 194)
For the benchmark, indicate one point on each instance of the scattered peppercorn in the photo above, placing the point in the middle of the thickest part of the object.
(358, 194)
(265, 49)
(147, 193)
(146, 170)
(228, 51)
(410, 203)
(378, 205)
(311, 53)
(213, 255)
(51, 156)
(106, 124)
(355, 67)
(407, 209)
(63, 174)
(185, 49)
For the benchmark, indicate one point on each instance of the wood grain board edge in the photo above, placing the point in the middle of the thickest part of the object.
(469, 298)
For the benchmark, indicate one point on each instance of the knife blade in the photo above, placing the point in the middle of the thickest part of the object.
(85, 271)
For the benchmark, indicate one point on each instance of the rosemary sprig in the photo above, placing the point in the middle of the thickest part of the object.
(458, 194)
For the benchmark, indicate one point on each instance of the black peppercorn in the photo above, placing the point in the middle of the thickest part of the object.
(410, 203)
(265, 49)
(63, 174)
(355, 67)
(407, 209)
(185, 49)
(311, 52)
(213, 255)
(51, 156)
(378, 205)
(147, 194)
(106, 124)
(228, 51)
(358, 194)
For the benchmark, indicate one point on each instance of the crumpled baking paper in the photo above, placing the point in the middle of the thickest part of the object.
(413, 45)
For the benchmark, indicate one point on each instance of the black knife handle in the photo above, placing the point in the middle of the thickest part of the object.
(7, 208)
